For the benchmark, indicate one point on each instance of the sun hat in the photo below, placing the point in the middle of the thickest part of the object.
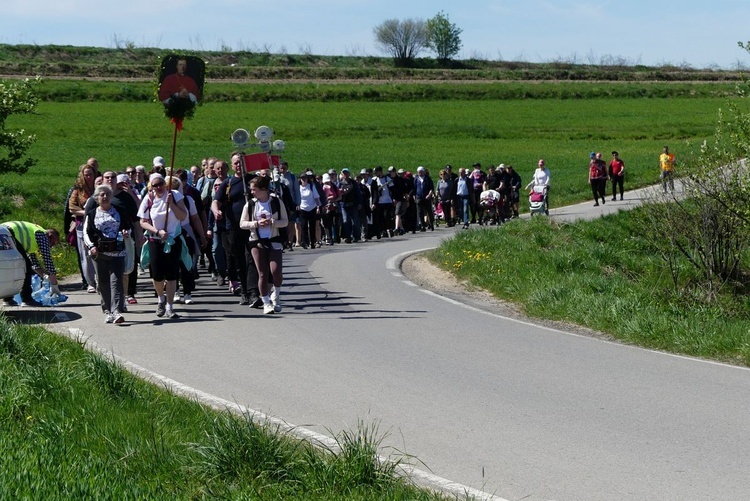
(158, 161)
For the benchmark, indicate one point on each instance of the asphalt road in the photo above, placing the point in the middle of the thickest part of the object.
(507, 407)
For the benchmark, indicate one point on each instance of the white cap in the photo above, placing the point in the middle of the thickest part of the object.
(123, 178)
(158, 161)
(420, 169)
(326, 178)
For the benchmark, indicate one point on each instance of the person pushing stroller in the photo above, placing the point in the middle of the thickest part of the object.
(540, 183)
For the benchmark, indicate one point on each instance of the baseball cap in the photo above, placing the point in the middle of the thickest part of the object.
(159, 161)
(345, 169)
(592, 155)
(332, 172)
(309, 173)
(391, 168)
(400, 171)
(501, 166)
(420, 169)
(326, 178)
(363, 171)
(123, 178)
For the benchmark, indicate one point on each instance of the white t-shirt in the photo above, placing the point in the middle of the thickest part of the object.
(262, 210)
(309, 197)
(158, 211)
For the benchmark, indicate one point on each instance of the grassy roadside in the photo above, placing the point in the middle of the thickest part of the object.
(74, 425)
(603, 275)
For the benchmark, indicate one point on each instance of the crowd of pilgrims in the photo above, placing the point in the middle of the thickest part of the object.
(319, 209)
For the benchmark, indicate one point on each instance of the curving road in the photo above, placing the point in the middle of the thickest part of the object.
(499, 405)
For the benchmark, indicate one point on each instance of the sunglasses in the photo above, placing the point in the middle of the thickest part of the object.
(158, 185)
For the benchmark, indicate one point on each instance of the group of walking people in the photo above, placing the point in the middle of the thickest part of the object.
(600, 173)
(168, 221)
(123, 223)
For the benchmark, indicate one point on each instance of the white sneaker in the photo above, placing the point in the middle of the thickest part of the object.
(275, 300)
(268, 308)
(109, 318)
(176, 297)
(276, 304)
(187, 299)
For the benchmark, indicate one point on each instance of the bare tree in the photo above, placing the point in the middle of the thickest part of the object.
(402, 39)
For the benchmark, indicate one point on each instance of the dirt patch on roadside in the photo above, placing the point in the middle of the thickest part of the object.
(422, 272)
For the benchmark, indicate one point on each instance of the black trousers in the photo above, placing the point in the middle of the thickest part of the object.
(240, 266)
(618, 181)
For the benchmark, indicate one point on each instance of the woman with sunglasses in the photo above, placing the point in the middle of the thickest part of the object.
(161, 213)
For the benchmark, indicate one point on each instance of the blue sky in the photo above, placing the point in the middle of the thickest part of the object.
(701, 34)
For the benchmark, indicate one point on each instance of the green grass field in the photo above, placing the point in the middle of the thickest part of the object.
(603, 275)
(322, 135)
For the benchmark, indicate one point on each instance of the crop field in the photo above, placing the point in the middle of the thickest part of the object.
(364, 134)
(359, 134)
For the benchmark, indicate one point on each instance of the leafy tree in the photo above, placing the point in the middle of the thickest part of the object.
(402, 39)
(703, 235)
(443, 37)
(16, 98)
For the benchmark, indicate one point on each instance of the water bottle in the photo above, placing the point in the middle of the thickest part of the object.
(37, 292)
(45, 294)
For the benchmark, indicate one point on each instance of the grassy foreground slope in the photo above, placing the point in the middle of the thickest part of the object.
(74, 425)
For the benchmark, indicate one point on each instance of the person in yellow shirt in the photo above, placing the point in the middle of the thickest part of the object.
(34, 242)
(666, 164)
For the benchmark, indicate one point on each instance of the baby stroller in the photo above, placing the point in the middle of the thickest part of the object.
(489, 202)
(439, 214)
(538, 201)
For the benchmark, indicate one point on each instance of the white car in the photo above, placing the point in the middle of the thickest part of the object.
(12, 266)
